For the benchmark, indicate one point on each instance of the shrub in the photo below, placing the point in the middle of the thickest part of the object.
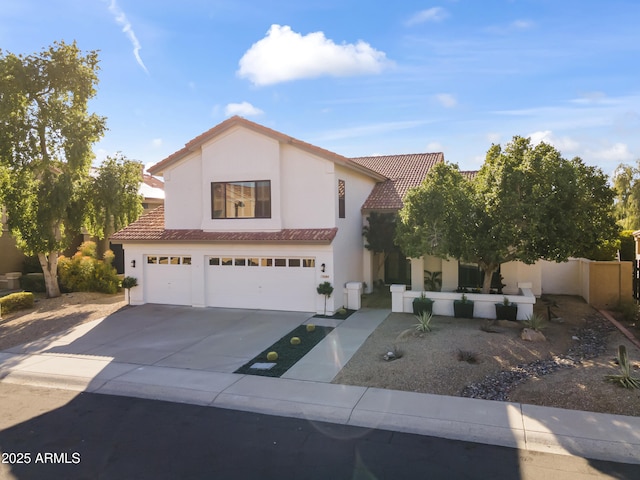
(467, 356)
(85, 273)
(31, 264)
(33, 282)
(629, 310)
(16, 301)
(627, 246)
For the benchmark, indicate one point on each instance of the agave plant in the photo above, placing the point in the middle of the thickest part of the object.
(424, 322)
(624, 379)
(535, 322)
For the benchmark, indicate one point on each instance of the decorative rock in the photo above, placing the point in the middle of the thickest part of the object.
(389, 356)
(592, 340)
(530, 335)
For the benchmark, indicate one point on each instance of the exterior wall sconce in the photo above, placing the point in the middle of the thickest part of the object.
(133, 264)
(323, 267)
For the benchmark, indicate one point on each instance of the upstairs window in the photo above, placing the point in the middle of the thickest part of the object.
(341, 199)
(241, 199)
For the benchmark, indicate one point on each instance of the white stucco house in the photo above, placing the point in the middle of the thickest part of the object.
(256, 219)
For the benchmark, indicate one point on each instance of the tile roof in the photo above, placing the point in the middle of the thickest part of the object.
(403, 172)
(150, 228)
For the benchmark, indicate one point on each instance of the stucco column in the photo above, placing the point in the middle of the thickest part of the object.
(367, 269)
(417, 274)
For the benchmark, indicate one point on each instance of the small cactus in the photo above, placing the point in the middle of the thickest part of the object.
(272, 356)
(295, 341)
(311, 327)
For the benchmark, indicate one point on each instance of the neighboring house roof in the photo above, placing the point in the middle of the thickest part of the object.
(150, 227)
(403, 172)
(151, 187)
(194, 144)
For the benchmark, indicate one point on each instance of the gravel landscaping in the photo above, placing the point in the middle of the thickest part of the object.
(567, 370)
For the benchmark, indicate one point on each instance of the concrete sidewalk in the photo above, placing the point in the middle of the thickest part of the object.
(307, 393)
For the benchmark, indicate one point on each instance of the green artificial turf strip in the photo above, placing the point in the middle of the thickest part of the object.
(288, 354)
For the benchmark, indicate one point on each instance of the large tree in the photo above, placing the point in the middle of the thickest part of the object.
(626, 182)
(113, 199)
(526, 203)
(47, 135)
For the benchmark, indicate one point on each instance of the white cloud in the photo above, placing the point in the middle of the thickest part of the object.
(561, 143)
(284, 55)
(618, 152)
(122, 20)
(446, 100)
(245, 109)
(435, 14)
(156, 142)
(434, 147)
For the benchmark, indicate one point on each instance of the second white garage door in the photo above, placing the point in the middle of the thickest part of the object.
(270, 283)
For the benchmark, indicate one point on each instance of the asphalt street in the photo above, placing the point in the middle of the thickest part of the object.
(47, 433)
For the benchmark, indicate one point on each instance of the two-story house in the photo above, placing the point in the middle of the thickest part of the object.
(256, 219)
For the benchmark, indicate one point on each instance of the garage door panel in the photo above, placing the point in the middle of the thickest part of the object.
(237, 284)
(168, 279)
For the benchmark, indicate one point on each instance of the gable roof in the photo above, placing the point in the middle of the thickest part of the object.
(150, 227)
(197, 142)
(402, 171)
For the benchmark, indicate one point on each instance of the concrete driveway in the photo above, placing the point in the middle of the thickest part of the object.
(210, 339)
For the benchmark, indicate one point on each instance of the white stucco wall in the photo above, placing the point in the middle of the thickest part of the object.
(307, 186)
(514, 273)
(241, 155)
(183, 195)
(349, 242)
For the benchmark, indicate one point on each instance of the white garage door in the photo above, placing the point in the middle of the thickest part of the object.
(167, 279)
(271, 283)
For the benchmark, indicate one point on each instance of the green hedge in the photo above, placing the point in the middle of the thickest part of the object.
(16, 301)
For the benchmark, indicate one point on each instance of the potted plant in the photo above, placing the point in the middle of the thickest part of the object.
(463, 308)
(325, 289)
(506, 310)
(128, 283)
(422, 304)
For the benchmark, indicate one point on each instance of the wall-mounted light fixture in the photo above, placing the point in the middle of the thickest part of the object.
(133, 264)
(323, 267)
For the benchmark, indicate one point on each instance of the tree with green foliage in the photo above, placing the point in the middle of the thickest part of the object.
(526, 203)
(113, 201)
(626, 182)
(379, 233)
(47, 135)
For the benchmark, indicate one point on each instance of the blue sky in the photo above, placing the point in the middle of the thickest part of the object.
(356, 77)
